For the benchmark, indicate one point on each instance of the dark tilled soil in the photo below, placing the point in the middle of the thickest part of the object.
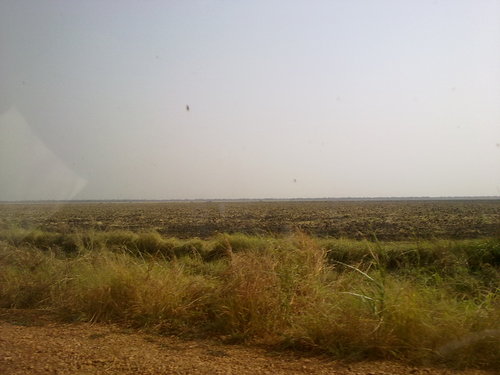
(387, 220)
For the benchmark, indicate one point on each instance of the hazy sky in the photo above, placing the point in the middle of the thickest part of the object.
(287, 99)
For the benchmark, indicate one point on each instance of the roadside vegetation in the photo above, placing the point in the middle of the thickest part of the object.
(432, 301)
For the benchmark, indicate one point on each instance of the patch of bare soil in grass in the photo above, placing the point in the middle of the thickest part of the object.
(32, 342)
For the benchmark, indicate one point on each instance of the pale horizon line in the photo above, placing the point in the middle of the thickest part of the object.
(378, 198)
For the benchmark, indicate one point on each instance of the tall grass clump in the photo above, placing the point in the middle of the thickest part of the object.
(105, 286)
(260, 289)
(138, 292)
(27, 276)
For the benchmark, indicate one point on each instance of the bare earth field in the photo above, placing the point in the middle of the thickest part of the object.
(31, 342)
(388, 220)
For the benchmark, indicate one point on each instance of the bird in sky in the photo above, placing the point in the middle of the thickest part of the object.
(187, 107)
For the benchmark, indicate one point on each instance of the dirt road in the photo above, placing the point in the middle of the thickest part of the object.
(31, 342)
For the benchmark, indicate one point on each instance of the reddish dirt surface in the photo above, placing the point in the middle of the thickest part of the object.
(31, 342)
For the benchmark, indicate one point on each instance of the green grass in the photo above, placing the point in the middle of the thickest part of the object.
(422, 302)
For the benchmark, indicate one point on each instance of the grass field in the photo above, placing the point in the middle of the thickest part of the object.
(427, 299)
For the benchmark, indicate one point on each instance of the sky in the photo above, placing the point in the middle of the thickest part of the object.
(287, 99)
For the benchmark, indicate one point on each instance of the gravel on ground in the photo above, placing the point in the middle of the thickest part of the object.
(32, 342)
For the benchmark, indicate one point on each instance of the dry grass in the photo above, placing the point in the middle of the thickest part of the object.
(296, 292)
